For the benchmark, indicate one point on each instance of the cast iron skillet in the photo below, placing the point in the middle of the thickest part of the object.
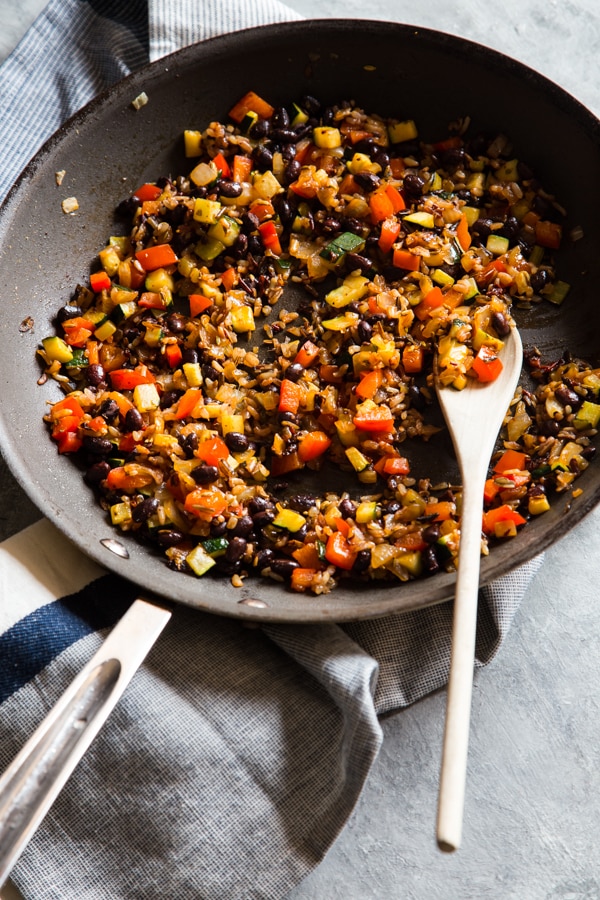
(109, 148)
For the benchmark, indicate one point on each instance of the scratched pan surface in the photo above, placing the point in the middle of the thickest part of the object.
(108, 149)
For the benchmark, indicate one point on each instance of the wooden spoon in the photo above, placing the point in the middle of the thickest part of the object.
(474, 417)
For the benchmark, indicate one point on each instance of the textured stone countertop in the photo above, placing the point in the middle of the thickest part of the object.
(533, 791)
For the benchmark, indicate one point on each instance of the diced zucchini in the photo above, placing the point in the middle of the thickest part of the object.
(265, 185)
(471, 214)
(206, 211)
(357, 459)
(123, 310)
(420, 218)
(288, 519)
(242, 319)
(560, 289)
(110, 259)
(105, 330)
(588, 415)
(412, 562)
(508, 171)
(399, 132)
(298, 116)
(347, 242)
(215, 546)
(481, 337)
(158, 280)
(497, 244)
(442, 278)
(199, 560)
(366, 511)
(146, 397)
(153, 334)
(192, 142)
(57, 349)
(209, 249)
(193, 374)
(353, 288)
(232, 423)
(120, 512)
(360, 162)
(326, 137)
(226, 230)
(341, 323)
(538, 504)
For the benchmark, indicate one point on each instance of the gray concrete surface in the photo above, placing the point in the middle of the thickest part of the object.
(533, 794)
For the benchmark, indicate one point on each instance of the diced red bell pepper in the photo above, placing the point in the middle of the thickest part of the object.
(392, 465)
(99, 281)
(487, 365)
(206, 503)
(148, 192)
(222, 165)
(212, 451)
(199, 304)
(390, 229)
(511, 459)
(69, 442)
(251, 102)
(504, 513)
(290, 395)
(156, 257)
(338, 551)
(128, 379)
(369, 384)
(173, 355)
(313, 445)
(270, 236)
(372, 418)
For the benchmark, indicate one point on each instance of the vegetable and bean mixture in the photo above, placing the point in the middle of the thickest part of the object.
(195, 400)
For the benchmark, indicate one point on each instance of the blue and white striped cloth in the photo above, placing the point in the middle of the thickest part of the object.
(236, 755)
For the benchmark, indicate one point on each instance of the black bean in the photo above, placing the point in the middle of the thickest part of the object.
(236, 441)
(368, 181)
(301, 502)
(481, 229)
(258, 504)
(454, 157)
(291, 171)
(96, 445)
(362, 561)
(175, 323)
(243, 527)
(354, 225)
(588, 452)
(550, 428)
(142, 511)
(356, 261)
(255, 245)
(169, 398)
(109, 411)
(500, 324)
(279, 119)
(95, 374)
(205, 474)
(539, 280)
(392, 507)
(133, 420)
(188, 443)
(567, 397)
(230, 189)
(382, 159)
(240, 247)
(263, 559)
(97, 472)
(430, 561)
(284, 136)
(347, 508)
(294, 372)
(262, 519)
(431, 533)
(218, 528)
(283, 567)
(169, 537)
(235, 549)
(364, 331)
(261, 128)
(189, 355)
(285, 211)
(510, 229)
(311, 105)
(263, 158)
(68, 312)
(413, 185)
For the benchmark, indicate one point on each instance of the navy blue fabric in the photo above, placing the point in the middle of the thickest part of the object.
(37, 639)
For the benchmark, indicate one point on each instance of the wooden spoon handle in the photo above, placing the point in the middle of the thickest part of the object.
(460, 683)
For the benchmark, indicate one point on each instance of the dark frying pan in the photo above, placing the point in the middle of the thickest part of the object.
(109, 148)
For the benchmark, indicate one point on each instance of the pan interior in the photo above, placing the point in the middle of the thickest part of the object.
(109, 148)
